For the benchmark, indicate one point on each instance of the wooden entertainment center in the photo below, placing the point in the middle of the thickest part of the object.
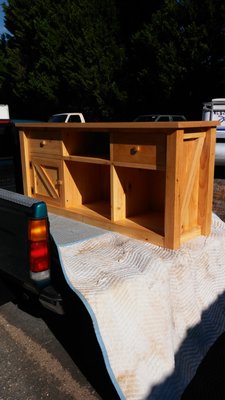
(151, 181)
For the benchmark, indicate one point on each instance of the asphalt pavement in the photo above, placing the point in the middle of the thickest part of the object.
(33, 363)
(45, 356)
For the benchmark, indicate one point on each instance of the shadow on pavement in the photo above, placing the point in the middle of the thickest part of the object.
(76, 334)
(6, 294)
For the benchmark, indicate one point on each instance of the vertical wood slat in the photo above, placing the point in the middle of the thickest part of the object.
(207, 166)
(25, 162)
(173, 189)
(118, 198)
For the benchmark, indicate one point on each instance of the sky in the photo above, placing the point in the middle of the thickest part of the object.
(2, 28)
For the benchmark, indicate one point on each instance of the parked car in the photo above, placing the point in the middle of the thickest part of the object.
(159, 118)
(67, 117)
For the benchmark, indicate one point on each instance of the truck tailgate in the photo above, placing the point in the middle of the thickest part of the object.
(15, 210)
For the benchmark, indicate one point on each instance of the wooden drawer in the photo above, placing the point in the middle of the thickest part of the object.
(45, 146)
(141, 149)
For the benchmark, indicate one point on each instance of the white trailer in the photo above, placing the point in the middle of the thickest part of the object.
(215, 110)
(4, 111)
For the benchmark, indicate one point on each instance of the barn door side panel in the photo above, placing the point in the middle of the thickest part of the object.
(47, 180)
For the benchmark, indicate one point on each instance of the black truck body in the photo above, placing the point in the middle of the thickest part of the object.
(17, 247)
(27, 250)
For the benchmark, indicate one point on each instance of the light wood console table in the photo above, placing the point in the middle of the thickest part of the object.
(151, 181)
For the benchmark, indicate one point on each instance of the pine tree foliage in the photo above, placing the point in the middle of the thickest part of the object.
(64, 54)
(112, 59)
(176, 53)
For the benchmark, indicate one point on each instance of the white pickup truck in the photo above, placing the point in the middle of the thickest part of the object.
(215, 110)
(67, 117)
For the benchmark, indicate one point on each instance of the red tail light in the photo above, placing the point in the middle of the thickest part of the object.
(39, 246)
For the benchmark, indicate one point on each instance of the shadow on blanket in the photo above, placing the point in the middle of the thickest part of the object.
(204, 342)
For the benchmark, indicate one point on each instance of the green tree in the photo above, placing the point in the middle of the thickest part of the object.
(113, 58)
(64, 55)
(204, 47)
(178, 56)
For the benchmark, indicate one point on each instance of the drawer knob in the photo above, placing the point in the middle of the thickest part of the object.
(42, 143)
(134, 150)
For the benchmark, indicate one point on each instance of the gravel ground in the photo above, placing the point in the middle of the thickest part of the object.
(219, 198)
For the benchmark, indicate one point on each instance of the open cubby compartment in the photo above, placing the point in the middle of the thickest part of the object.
(87, 188)
(87, 144)
(138, 197)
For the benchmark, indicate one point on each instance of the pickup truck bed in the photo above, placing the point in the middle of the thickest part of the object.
(134, 292)
(16, 213)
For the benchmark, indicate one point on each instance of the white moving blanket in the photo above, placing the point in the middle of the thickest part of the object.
(156, 312)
